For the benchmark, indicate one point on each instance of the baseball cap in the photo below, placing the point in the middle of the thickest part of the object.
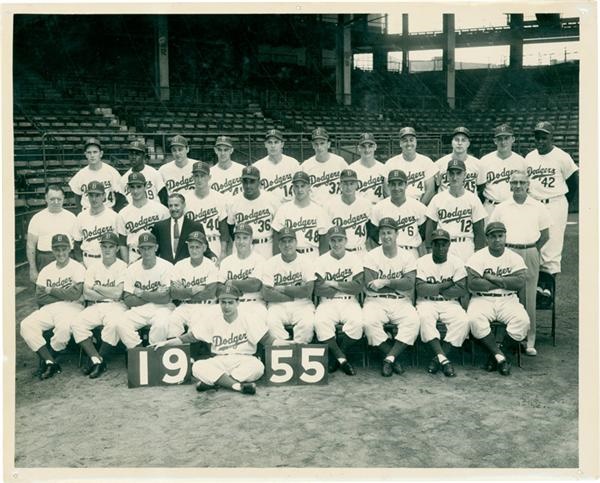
(366, 137)
(461, 130)
(109, 237)
(348, 175)
(224, 141)
(287, 232)
(179, 140)
(456, 164)
(503, 130)
(137, 146)
(440, 235)
(250, 172)
(229, 291)
(388, 222)
(495, 226)
(407, 131)
(136, 178)
(397, 175)
(242, 228)
(60, 240)
(301, 176)
(92, 141)
(146, 239)
(196, 236)
(274, 133)
(338, 231)
(95, 187)
(544, 126)
(201, 167)
(320, 133)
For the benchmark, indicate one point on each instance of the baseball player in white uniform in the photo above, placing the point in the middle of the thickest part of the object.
(352, 213)
(226, 175)
(277, 168)
(146, 292)
(209, 207)
(177, 174)
(441, 282)
(102, 290)
(140, 215)
(194, 281)
(527, 223)
(460, 144)
(58, 292)
(338, 284)
(390, 285)
(554, 182)
(324, 168)
(94, 222)
(408, 212)
(495, 274)
(459, 212)
(308, 219)
(495, 169)
(371, 173)
(155, 185)
(420, 170)
(288, 281)
(97, 170)
(257, 208)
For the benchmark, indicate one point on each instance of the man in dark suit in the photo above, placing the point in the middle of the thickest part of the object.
(172, 233)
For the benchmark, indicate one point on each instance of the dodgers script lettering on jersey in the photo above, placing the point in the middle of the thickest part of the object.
(449, 216)
(65, 282)
(151, 286)
(289, 278)
(351, 221)
(301, 224)
(143, 223)
(183, 183)
(105, 283)
(278, 182)
(202, 215)
(232, 342)
(95, 233)
(242, 274)
(342, 275)
(106, 183)
(231, 186)
(499, 177)
(253, 216)
(498, 271)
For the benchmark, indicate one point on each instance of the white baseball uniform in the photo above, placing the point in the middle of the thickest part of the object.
(45, 225)
(177, 179)
(56, 315)
(154, 183)
(107, 175)
(209, 211)
(137, 220)
(353, 218)
(447, 311)
(472, 173)
(495, 174)
(235, 268)
(388, 305)
(548, 174)
(324, 177)
(276, 178)
(103, 312)
(227, 181)
(300, 312)
(89, 229)
(498, 304)
(370, 180)
(417, 171)
(457, 215)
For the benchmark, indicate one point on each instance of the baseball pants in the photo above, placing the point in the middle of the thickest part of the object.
(551, 254)
(299, 313)
(89, 258)
(400, 312)
(507, 310)
(257, 309)
(57, 316)
(450, 313)
(102, 313)
(462, 248)
(154, 315)
(340, 310)
(182, 316)
(241, 367)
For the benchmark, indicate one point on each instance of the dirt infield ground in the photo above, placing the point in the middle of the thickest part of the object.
(414, 420)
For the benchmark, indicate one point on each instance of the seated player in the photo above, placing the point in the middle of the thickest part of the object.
(58, 290)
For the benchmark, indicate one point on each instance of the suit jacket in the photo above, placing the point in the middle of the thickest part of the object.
(162, 231)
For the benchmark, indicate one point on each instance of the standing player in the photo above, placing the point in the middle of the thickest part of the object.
(324, 168)
(495, 169)
(409, 214)
(441, 282)
(460, 144)
(193, 281)
(43, 226)
(226, 175)
(339, 282)
(102, 290)
(257, 208)
(420, 170)
(459, 212)
(554, 182)
(91, 224)
(495, 274)
(305, 217)
(177, 174)
(58, 292)
(288, 281)
(390, 287)
(277, 168)
(155, 186)
(97, 170)
(209, 207)
(370, 172)
(140, 215)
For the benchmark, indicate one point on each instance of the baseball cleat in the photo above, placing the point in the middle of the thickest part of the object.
(201, 387)
(504, 367)
(50, 370)
(492, 364)
(347, 368)
(248, 388)
(386, 368)
(397, 367)
(332, 365)
(530, 351)
(448, 369)
(433, 366)
(88, 368)
(97, 370)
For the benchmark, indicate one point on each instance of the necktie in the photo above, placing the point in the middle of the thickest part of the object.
(175, 236)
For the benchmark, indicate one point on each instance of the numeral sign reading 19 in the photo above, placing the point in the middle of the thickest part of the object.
(296, 364)
(162, 367)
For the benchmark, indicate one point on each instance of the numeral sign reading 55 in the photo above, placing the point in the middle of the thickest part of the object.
(162, 367)
(296, 364)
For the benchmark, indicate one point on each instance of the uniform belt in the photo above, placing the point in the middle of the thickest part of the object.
(260, 240)
(213, 237)
(437, 298)
(357, 249)
(205, 302)
(135, 250)
(386, 296)
(492, 201)
(487, 294)
(247, 300)
(459, 238)
(85, 254)
(407, 247)
(92, 302)
(343, 297)
(548, 200)
(305, 250)
(527, 245)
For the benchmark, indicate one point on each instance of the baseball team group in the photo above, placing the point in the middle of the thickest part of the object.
(280, 252)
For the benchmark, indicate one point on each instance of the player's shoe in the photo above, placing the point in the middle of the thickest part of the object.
(397, 367)
(433, 366)
(448, 369)
(88, 368)
(97, 370)
(530, 351)
(347, 368)
(201, 387)
(49, 370)
(332, 365)
(248, 388)
(504, 367)
(387, 368)
(492, 364)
